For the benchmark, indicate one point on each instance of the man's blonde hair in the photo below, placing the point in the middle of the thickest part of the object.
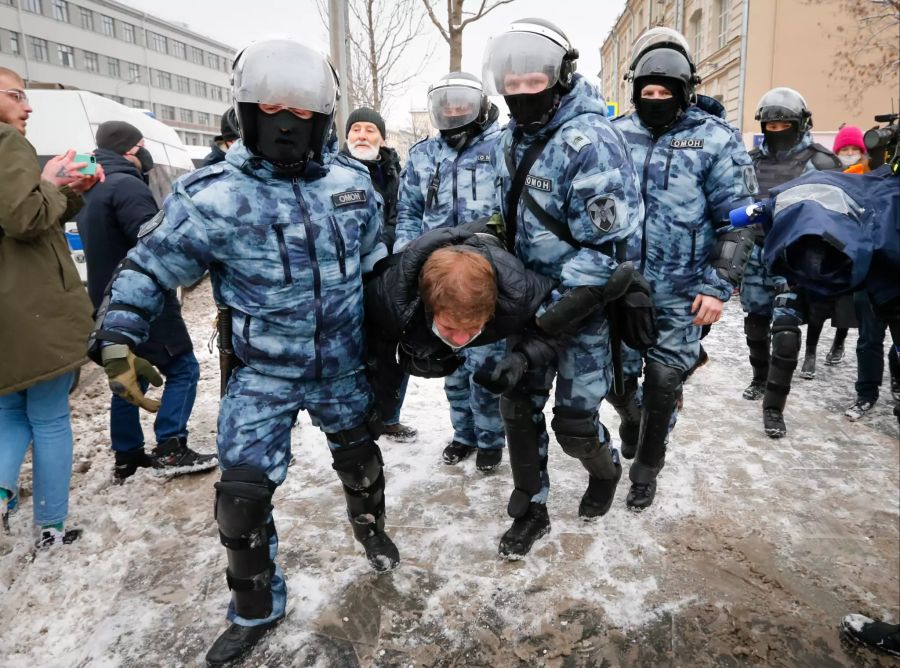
(459, 283)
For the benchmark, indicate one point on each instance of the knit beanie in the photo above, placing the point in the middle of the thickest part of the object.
(118, 136)
(366, 115)
(849, 135)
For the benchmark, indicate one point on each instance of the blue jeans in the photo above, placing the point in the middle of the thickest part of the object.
(870, 351)
(181, 373)
(39, 415)
(395, 418)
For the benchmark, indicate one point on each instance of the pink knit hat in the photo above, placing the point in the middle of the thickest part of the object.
(849, 135)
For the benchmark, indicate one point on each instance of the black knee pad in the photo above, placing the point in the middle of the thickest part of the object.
(662, 385)
(626, 403)
(576, 431)
(756, 327)
(243, 506)
(785, 338)
(523, 444)
(358, 466)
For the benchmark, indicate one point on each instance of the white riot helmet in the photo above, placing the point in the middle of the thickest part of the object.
(456, 100)
(284, 73)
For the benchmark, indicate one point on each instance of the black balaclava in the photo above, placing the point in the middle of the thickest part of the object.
(659, 115)
(532, 111)
(457, 138)
(783, 140)
(284, 140)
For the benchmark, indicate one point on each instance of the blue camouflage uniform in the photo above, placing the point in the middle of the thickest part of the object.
(443, 187)
(691, 177)
(584, 178)
(287, 256)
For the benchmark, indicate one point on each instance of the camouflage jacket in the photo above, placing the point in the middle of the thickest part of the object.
(691, 177)
(287, 255)
(584, 178)
(443, 187)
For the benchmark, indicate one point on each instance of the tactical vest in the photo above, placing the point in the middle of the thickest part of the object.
(771, 172)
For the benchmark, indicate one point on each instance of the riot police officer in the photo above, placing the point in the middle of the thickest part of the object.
(448, 181)
(786, 152)
(286, 240)
(571, 201)
(695, 171)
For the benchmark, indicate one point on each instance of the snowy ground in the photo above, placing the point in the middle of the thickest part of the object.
(752, 552)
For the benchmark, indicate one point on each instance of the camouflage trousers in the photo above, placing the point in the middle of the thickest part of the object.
(758, 287)
(255, 420)
(475, 412)
(583, 374)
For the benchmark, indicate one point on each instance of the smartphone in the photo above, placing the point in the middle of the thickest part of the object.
(90, 168)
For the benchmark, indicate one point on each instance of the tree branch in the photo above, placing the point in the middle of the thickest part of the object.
(435, 21)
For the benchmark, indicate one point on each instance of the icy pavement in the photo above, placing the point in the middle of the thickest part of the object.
(751, 554)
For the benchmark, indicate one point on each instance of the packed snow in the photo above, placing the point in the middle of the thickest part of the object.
(752, 552)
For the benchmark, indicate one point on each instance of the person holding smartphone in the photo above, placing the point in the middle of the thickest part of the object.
(46, 316)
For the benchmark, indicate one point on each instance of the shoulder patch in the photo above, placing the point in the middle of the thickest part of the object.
(349, 197)
(202, 173)
(750, 181)
(151, 224)
(575, 139)
(602, 211)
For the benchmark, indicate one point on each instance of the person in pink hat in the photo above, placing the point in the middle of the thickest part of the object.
(850, 149)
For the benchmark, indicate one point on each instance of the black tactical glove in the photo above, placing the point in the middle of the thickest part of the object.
(505, 376)
(637, 315)
(434, 366)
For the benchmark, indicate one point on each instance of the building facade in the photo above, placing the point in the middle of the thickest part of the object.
(743, 48)
(121, 53)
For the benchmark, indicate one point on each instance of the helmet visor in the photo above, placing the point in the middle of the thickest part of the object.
(521, 62)
(285, 73)
(656, 38)
(780, 104)
(453, 105)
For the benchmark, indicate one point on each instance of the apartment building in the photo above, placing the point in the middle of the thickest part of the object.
(124, 54)
(742, 48)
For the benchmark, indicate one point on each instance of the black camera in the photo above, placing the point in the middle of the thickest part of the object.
(881, 143)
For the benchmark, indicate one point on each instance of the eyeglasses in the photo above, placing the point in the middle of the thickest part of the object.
(16, 93)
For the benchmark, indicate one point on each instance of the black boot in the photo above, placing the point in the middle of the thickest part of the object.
(773, 422)
(456, 452)
(641, 495)
(872, 633)
(236, 642)
(598, 498)
(128, 462)
(808, 370)
(756, 328)
(359, 466)
(488, 459)
(629, 417)
(519, 538)
(173, 457)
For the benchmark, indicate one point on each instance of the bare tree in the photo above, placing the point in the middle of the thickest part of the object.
(452, 29)
(868, 52)
(381, 33)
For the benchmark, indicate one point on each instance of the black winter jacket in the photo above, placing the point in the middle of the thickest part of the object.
(108, 225)
(385, 173)
(214, 156)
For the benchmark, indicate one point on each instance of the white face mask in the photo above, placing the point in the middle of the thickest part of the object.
(363, 151)
(453, 346)
(850, 160)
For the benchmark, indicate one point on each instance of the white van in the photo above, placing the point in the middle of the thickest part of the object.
(68, 119)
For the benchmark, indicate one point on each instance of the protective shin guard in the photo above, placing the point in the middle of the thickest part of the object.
(243, 510)
(662, 390)
(756, 328)
(522, 437)
(629, 416)
(785, 353)
(360, 469)
(576, 432)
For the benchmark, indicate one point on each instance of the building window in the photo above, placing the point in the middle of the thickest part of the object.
(157, 42)
(91, 62)
(212, 60)
(163, 80)
(196, 55)
(14, 43)
(128, 32)
(199, 89)
(183, 84)
(138, 104)
(66, 55)
(723, 22)
(187, 116)
(134, 72)
(179, 50)
(87, 19)
(112, 65)
(203, 118)
(166, 112)
(215, 121)
(61, 10)
(697, 34)
(107, 26)
(33, 6)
